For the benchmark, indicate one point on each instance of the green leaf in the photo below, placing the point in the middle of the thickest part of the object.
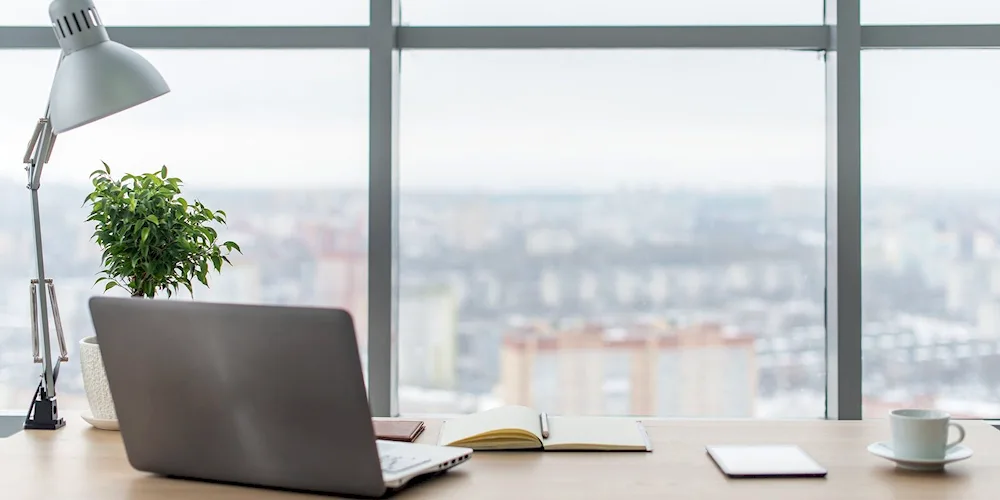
(163, 172)
(145, 234)
(110, 285)
(152, 218)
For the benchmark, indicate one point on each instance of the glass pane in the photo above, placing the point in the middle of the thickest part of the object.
(612, 232)
(605, 13)
(930, 11)
(203, 12)
(287, 161)
(931, 231)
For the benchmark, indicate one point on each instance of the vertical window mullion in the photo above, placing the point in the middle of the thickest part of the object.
(843, 213)
(383, 208)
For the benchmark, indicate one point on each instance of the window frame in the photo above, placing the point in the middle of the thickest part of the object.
(839, 41)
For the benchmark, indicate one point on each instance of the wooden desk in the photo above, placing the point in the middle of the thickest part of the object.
(81, 463)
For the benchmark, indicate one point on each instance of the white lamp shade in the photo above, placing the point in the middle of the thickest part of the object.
(97, 77)
(100, 81)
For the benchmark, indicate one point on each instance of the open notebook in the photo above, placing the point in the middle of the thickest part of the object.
(519, 428)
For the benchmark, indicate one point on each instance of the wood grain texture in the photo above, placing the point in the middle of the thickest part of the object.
(81, 463)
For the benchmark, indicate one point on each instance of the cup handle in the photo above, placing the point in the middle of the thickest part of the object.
(961, 435)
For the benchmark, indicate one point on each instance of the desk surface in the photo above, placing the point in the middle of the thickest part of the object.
(81, 463)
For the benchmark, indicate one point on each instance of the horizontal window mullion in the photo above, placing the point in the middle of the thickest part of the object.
(930, 36)
(197, 37)
(625, 37)
(511, 37)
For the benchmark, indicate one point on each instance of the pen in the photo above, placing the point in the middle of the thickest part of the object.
(544, 417)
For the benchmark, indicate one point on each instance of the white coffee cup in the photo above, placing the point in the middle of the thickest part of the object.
(922, 434)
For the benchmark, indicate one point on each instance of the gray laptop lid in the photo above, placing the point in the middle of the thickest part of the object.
(263, 395)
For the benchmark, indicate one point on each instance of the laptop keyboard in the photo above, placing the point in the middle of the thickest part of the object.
(392, 462)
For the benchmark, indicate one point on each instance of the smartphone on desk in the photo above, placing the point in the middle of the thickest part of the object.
(758, 461)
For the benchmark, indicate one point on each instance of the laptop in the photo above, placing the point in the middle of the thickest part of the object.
(266, 396)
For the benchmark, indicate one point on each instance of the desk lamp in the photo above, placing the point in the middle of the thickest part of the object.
(95, 78)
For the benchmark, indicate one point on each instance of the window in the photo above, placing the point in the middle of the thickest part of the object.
(589, 223)
(204, 12)
(929, 12)
(286, 158)
(612, 232)
(931, 230)
(603, 13)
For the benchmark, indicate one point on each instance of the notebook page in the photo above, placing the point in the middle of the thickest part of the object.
(504, 417)
(597, 433)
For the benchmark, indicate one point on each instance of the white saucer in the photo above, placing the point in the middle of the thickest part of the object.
(955, 454)
(107, 425)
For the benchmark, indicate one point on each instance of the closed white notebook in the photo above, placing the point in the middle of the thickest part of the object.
(764, 461)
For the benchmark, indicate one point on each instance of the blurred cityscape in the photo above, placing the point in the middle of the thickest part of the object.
(648, 302)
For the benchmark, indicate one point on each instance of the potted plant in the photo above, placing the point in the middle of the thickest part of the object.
(153, 240)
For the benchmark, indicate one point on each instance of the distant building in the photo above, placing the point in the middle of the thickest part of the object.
(550, 242)
(240, 283)
(428, 337)
(967, 286)
(988, 319)
(337, 275)
(695, 371)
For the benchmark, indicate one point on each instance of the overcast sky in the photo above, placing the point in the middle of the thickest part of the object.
(518, 119)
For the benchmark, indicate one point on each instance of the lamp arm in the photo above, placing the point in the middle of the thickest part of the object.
(37, 144)
(42, 142)
(43, 413)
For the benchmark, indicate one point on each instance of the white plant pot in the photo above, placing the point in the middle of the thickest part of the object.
(95, 380)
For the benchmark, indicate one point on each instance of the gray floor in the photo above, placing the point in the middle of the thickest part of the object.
(10, 425)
